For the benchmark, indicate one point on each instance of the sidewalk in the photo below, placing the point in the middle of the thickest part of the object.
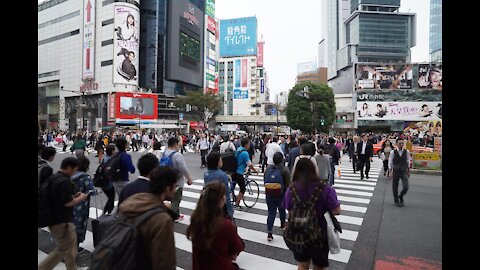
(402, 238)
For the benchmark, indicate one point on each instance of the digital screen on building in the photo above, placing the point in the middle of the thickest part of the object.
(186, 23)
(189, 47)
(383, 76)
(133, 105)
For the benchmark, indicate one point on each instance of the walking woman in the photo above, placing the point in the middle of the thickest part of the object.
(99, 148)
(82, 183)
(215, 241)
(386, 150)
(305, 184)
(108, 188)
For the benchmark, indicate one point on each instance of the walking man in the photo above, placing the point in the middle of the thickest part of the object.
(203, 146)
(399, 163)
(352, 152)
(365, 155)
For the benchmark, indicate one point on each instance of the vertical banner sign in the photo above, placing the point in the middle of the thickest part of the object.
(244, 72)
(260, 54)
(212, 26)
(237, 73)
(88, 39)
(111, 106)
(210, 8)
(262, 86)
(126, 44)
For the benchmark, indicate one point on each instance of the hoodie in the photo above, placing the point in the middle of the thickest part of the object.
(157, 231)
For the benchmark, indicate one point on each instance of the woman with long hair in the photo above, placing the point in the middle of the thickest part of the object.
(386, 150)
(215, 241)
(305, 183)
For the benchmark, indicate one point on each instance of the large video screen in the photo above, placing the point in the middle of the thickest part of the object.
(133, 105)
(383, 76)
(189, 47)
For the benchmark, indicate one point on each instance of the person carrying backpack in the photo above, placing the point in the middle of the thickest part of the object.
(276, 179)
(108, 188)
(214, 173)
(44, 169)
(307, 199)
(56, 199)
(126, 165)
(150, 242)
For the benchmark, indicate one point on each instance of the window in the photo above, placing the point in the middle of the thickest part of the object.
(107, 22)
(106, 63)
(59, 19)
(107, 42)
(62, 36)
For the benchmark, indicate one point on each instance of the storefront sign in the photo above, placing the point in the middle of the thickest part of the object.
(437, 144)
(111, 106)
(429, 161)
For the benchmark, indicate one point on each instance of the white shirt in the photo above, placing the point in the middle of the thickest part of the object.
(203, 144)
(400, 153)
(364, 146)
(227, 145)
(272, 148)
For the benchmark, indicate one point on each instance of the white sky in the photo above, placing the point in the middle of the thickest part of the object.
(291, 31)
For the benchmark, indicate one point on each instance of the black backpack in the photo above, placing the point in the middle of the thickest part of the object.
(112, 171)
(45, 214)
(123, 248)
(230, 162)
(303, 229)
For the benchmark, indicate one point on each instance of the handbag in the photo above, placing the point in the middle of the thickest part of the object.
(333, 232)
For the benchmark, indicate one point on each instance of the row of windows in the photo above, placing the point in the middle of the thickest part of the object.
(61, 36)
(107, 42)
(106, 63)
(107, 22)
(48, 74)
(59, 19)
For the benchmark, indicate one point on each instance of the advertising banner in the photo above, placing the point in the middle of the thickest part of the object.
(210, 8)
(212, 25)
(238, 72)
(244, 72)
(126, 44)
(382, 95)
(210, 77)
(304, 67)
(422, 128)
(409, 111)
(262, 86)
(437, 144)
(240, 94)
(430, 76)
(260, 54)
(383, 76)
(238, 37)
(430, 161)
(88, 66)
(111, 106)
(210, 61)
(133, 105)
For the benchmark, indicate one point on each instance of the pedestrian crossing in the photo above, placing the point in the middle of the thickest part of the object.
(91, 150)
(354, 195)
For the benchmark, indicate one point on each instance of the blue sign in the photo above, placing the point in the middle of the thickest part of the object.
(238, 37)
(180, 117)
(210, 61)
(240, 94)
(262, 86)
(274, 110)
(238, 71)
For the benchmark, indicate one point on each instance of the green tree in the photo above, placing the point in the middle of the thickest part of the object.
(203, 106)
(319, 98)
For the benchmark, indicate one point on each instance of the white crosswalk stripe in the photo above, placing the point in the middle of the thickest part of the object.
(354, 195)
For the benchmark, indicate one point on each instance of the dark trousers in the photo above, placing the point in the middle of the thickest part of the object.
(134, 145)
(354, 162)
(364, 160)
(264, 163)
(273, 203)
(385, 166)
(64, 146)
(396, 177)
(111, 199)
(203, 153)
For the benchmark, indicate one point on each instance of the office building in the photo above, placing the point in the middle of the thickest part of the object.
(436, 30)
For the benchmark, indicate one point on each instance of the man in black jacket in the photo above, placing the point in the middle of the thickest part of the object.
(352, 152)
(365, 155)
(334, 153)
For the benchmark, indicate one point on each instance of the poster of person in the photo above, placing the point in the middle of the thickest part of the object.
(385, 77)
(136, 106)
(430, 76)
(423, 128)
(407, 111)
(126, 44)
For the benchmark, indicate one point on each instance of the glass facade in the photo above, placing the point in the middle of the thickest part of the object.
(436, 30)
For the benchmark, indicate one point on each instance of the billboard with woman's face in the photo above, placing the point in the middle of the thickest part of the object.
(133, 105)
(407, 111)
(383, 76)
(126, 44)
(430, 76)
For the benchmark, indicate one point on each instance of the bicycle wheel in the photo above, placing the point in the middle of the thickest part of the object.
(252, 192)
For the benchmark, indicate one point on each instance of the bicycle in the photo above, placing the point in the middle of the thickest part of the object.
(252, 190)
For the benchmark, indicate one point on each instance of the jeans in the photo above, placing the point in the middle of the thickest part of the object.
(331, 176)
(66, 239)
(396, 177)
(274, 202)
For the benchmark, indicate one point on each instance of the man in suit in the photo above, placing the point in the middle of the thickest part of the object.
(365, 155)
(352, 152)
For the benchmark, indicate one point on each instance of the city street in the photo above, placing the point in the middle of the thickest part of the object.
(375, 231)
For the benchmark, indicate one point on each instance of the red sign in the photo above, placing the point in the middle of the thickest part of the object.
(197, 125)
(216, 85)
(111, 106)
(212, 26)
(89, 86)
(136, 105)
(260, 54)
(244, 72)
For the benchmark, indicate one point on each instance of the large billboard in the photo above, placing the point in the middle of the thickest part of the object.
(185, 45)
(134, 105)
(88, 62)
(260, 53)
(383, 76)
(382, 95)
(126, 44)
(430, 76)
(408, 111)
(238, 37)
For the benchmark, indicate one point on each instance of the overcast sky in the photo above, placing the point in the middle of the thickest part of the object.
(291, 31)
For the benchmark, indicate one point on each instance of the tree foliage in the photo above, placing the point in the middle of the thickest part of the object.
(204, 106)
(299, 107)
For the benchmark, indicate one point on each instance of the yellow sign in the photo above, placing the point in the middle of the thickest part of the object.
(426, 156)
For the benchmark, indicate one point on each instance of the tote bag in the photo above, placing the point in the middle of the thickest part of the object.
(332, 233)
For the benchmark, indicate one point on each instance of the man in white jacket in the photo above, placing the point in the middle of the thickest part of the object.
(273, 148)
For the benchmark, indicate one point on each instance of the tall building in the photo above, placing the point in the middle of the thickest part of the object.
(436, 30)
(210, 82)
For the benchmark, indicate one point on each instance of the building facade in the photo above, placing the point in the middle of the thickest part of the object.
(317, 76)
(436, 30)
